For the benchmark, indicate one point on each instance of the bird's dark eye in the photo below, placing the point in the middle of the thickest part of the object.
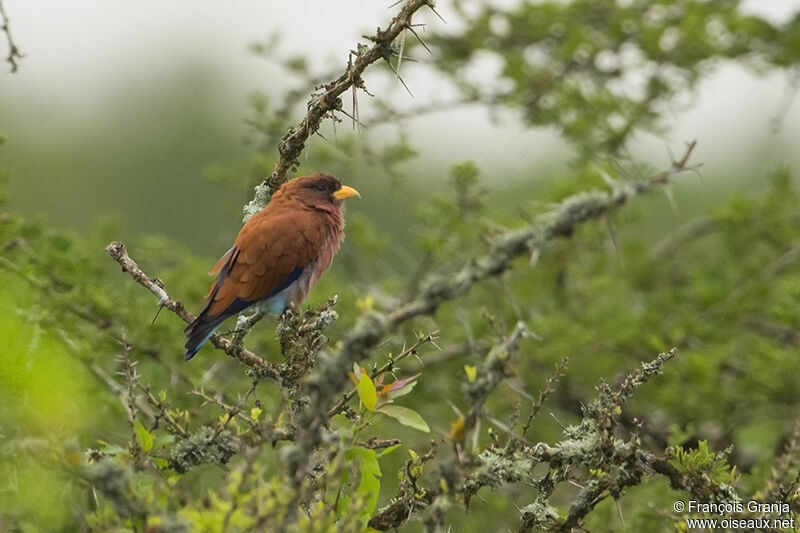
(318, 187)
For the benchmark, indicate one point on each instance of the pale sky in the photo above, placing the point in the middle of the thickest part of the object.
(92, 47)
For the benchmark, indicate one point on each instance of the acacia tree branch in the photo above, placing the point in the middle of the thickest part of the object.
(14, 54)
(330, 375)
(328, 100)
(495, 369)
(386, 367)
(514, 463)
(592, 444)
(260, 366)
(289, 150)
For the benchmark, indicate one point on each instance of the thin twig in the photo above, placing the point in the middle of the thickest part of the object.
(259, 365)
(548, 389)
(387, 367)
(493, 371)
(14, 54)
(437, 289)
(272, 434)
(321, 104)
(507, 465)
(230, 410)
(163, 411)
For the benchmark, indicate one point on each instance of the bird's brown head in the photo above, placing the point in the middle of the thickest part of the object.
(318, 191)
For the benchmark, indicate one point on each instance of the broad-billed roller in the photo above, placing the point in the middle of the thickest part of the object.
(278, 256)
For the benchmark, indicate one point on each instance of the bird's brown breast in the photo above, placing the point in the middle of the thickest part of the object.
(271, 245)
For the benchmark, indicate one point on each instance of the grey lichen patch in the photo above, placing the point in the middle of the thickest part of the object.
(437, 287)
(113, 480)
(538, 514)
(584, 451)
(586, 429)
(324, 320)
(396, 512)
(499, 468)
(578, 208)
(301, 337)
(260, 200)
(203, 447)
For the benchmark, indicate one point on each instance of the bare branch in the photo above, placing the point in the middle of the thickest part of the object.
(622, 461)
(330, 375)
(493, 371)
(387, 367)
(321, 104)
(14, 54)
(260, 366)
(548, 389)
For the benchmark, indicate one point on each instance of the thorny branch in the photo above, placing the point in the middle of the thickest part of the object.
(592, 444)
(330, 375)
(493, 371)
(321, 104)
(265, 430)
(549, 387)
(14, 54)
(259, 365)
(386, 367)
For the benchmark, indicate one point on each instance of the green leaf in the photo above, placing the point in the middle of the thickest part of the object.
(369, 485)
(145, 438)
(112, 449)
(472, 372)
(405, 416)
(366, 392)
(164, 440)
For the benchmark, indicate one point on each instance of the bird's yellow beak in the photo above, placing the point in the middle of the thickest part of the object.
(345, 192)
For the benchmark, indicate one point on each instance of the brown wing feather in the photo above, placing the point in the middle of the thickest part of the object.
(217, 267)
(271, 245)
(222, 260)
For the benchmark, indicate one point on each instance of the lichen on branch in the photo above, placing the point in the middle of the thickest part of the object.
(330, 374)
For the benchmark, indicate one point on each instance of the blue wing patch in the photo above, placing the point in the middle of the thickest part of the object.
(201, 329)
(240, 305)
